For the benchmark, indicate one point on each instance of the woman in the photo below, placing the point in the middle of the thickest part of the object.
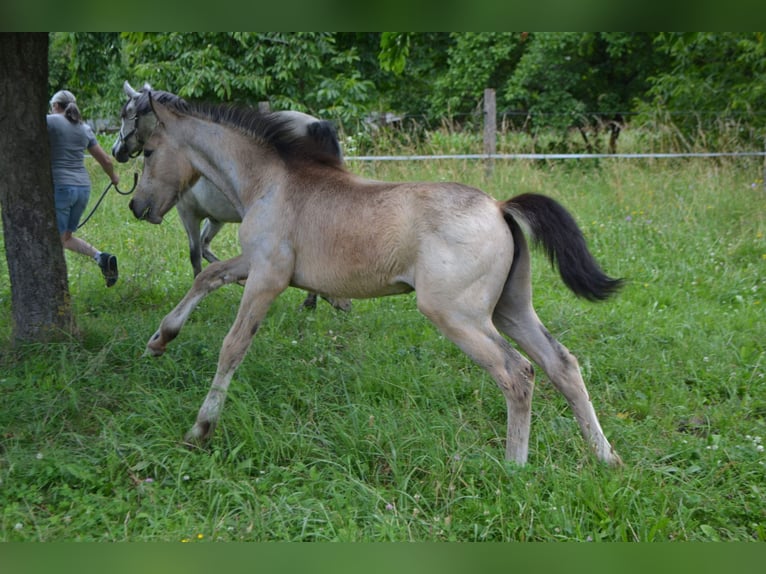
(69, 136)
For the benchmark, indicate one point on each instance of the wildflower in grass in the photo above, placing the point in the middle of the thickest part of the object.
(148, 480)
(389, 506)
(18, 526)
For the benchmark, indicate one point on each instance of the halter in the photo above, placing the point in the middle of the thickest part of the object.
(124, 137)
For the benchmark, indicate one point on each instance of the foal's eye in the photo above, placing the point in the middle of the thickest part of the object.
(148, 152)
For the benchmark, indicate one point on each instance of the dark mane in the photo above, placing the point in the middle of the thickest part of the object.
(143, 106)
(320, 144)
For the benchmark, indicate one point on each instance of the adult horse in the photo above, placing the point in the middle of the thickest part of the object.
(310, 223)
(203, 202)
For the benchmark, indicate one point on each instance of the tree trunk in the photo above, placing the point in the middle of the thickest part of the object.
(36, 265)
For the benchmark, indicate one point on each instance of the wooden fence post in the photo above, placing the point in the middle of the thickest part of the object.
(490, 128)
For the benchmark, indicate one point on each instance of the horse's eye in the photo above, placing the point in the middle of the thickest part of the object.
(148, 152)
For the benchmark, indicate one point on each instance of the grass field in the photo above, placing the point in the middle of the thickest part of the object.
(370, 426)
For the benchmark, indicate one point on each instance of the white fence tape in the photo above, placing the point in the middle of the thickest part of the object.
(551, 156)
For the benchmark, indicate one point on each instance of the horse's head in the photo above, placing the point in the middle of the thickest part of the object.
(167, 171)
(134, 127)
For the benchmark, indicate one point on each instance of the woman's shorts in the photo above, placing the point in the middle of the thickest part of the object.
(71, 201)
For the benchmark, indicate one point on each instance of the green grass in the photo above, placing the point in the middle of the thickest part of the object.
(371, 426)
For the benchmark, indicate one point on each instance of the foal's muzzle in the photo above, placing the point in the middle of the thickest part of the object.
(143, 210)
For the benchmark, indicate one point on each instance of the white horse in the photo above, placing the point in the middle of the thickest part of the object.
(204, 202)
(310, 223)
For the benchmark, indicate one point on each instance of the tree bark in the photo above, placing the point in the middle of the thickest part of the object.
(40, 302)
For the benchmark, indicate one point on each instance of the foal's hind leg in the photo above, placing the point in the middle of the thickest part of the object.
(214, 276)
(515, 316)
(514, 375)
(563, 371)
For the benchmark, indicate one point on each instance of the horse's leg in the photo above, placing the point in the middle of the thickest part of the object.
(191, 221)
(209, 231)
(214, 276)
(310, 302)
(458, 299)
(514, 375)
(515, 316)
(339, 304)
(260, 291)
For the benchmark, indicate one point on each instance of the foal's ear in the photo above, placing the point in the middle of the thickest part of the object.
(161, 111)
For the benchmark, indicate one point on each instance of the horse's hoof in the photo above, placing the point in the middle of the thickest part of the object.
(614, 460)
(199, 435)
(154, 348)
(340, 304)
(310, 302)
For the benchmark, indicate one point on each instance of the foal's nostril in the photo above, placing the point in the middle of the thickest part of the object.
(140, 212)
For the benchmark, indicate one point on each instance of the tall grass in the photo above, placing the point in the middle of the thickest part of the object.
(371, 426)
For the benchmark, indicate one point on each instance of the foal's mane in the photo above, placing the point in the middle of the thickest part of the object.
(319, 145)
(143, 106)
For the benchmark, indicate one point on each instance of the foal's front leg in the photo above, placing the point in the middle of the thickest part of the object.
(260, 291)
(214, 276)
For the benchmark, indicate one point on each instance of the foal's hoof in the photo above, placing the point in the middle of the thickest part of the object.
(199, 435)
(608, 456)
(154, 348)
(614, 461)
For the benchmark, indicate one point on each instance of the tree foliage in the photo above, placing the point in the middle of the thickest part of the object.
(567, 79)
(88, 64)
(476, 61)
(300, 71)
(554, 79)
(713, 79)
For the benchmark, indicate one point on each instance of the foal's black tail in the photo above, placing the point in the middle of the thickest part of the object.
(555, 229)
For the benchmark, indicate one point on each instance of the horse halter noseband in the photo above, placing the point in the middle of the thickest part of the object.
(131, 133)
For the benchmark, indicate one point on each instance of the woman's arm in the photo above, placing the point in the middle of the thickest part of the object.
(105, 162)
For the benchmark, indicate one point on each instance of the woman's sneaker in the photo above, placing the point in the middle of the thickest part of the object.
(108, 264)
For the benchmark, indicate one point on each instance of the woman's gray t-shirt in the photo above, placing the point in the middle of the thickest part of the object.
(68, 141)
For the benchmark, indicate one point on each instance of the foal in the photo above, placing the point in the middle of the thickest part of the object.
(310, 223)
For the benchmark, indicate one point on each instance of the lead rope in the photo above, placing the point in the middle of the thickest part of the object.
(117, 189)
